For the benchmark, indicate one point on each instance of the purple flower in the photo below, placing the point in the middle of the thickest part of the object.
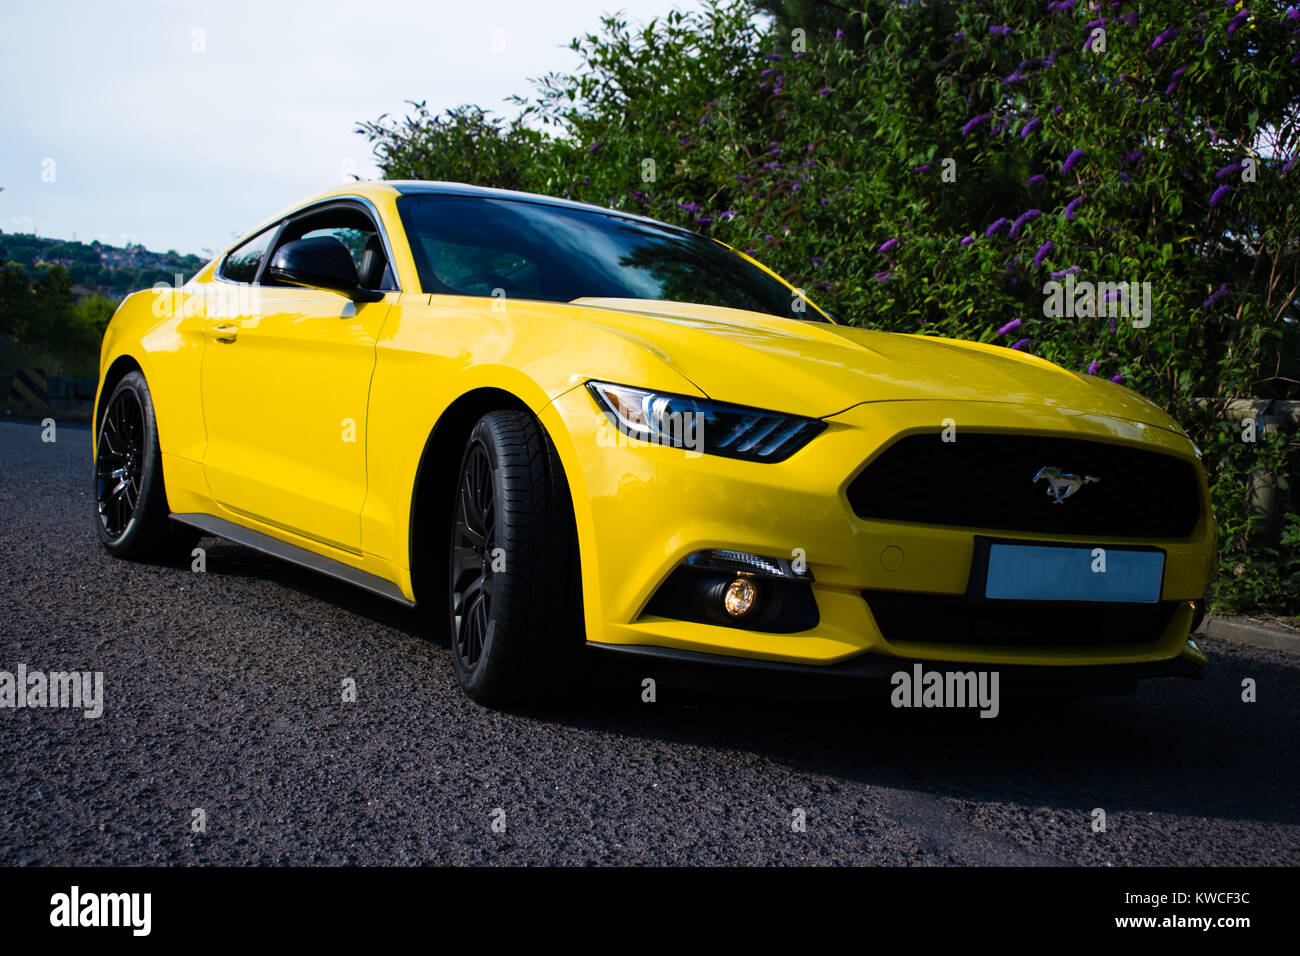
(1220, 194)
(1118, 379)
(774, 56)
(1164, 38)
(996, 227)
(967, 240)
(974, 122)
(1072, 160)
(824, 91)
(923, 168)
(1072, 210)
(1289, 163)
(839, 34)
(956, 37)
(1215, 297)
(882, 276)
(1010, 327)
(1029, 127)
(1236, 23)
(1232, 167)
(818, 261)
(1174, 80)
(1020, 345)
(1035, 179)
(1042, 252)
(1133, 158)
(1000, 30)
(1125, 178)
(768, 72)
(704, 220)
(1025, 218)
(595, 146)
(688, 206)
(729, 214)
(1093, 366)
(1062, 273)
(887, 247)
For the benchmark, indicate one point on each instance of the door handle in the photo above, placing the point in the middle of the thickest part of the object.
(224, 333)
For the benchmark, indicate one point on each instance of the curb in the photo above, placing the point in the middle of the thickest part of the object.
(1243, 631)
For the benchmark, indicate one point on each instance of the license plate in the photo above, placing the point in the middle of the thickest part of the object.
(1026, 572)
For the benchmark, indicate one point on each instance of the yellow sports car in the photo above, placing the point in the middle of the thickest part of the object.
(558, 427)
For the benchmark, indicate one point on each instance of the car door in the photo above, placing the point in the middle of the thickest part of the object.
(285, 382)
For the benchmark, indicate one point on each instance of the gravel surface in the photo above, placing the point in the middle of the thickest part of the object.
(223, 692)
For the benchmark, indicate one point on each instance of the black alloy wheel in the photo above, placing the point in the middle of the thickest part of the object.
(131, 514)
(514, 592)
(473, 542)
(120, 464)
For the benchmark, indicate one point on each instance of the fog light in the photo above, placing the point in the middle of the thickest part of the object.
(739, 597)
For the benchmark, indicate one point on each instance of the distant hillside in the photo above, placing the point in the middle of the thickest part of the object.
(94, 267)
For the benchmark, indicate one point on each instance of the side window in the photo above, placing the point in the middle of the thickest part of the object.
(357, 232)
(242, 264)
(354, 239)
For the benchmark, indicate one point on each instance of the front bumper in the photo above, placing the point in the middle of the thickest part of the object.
(858, 676)
(641, 510)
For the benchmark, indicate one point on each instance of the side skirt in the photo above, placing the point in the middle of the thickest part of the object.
(276, 548)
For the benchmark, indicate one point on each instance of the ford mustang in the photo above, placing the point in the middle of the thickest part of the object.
(564, 431)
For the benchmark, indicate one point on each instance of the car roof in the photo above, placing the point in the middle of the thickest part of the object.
(424, 187)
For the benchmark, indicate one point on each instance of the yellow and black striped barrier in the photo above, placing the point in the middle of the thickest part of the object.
(29, 385)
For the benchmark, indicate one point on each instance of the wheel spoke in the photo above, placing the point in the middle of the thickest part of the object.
(119, 464)
(470, 557)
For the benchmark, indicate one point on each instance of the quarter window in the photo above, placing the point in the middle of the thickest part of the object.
(242, 264)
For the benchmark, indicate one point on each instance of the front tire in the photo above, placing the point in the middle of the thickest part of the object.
(132, 517)
(514, 601)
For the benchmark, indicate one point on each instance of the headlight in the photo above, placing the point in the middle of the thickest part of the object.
(699, 425)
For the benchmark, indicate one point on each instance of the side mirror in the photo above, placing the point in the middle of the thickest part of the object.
(321, 262)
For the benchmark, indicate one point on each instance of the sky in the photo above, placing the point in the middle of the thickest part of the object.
(181, 125)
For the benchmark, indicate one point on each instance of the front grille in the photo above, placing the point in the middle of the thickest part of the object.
(987, 481)
(948, 619)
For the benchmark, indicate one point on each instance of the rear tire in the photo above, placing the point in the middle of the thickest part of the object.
(514, 591)
(132, 517)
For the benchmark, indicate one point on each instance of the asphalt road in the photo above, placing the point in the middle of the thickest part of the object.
(223, 693)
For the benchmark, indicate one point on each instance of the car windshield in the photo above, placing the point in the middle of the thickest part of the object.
(465, 245)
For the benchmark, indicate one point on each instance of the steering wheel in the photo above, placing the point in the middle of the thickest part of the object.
(492, 280)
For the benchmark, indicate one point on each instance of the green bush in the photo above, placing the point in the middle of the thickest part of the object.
(928, 166)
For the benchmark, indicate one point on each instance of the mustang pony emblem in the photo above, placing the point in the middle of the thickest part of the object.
(1059, 485)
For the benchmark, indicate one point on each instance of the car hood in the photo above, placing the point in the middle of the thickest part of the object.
(819, 369)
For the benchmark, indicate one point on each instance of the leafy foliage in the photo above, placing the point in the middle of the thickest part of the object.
(929, 166)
